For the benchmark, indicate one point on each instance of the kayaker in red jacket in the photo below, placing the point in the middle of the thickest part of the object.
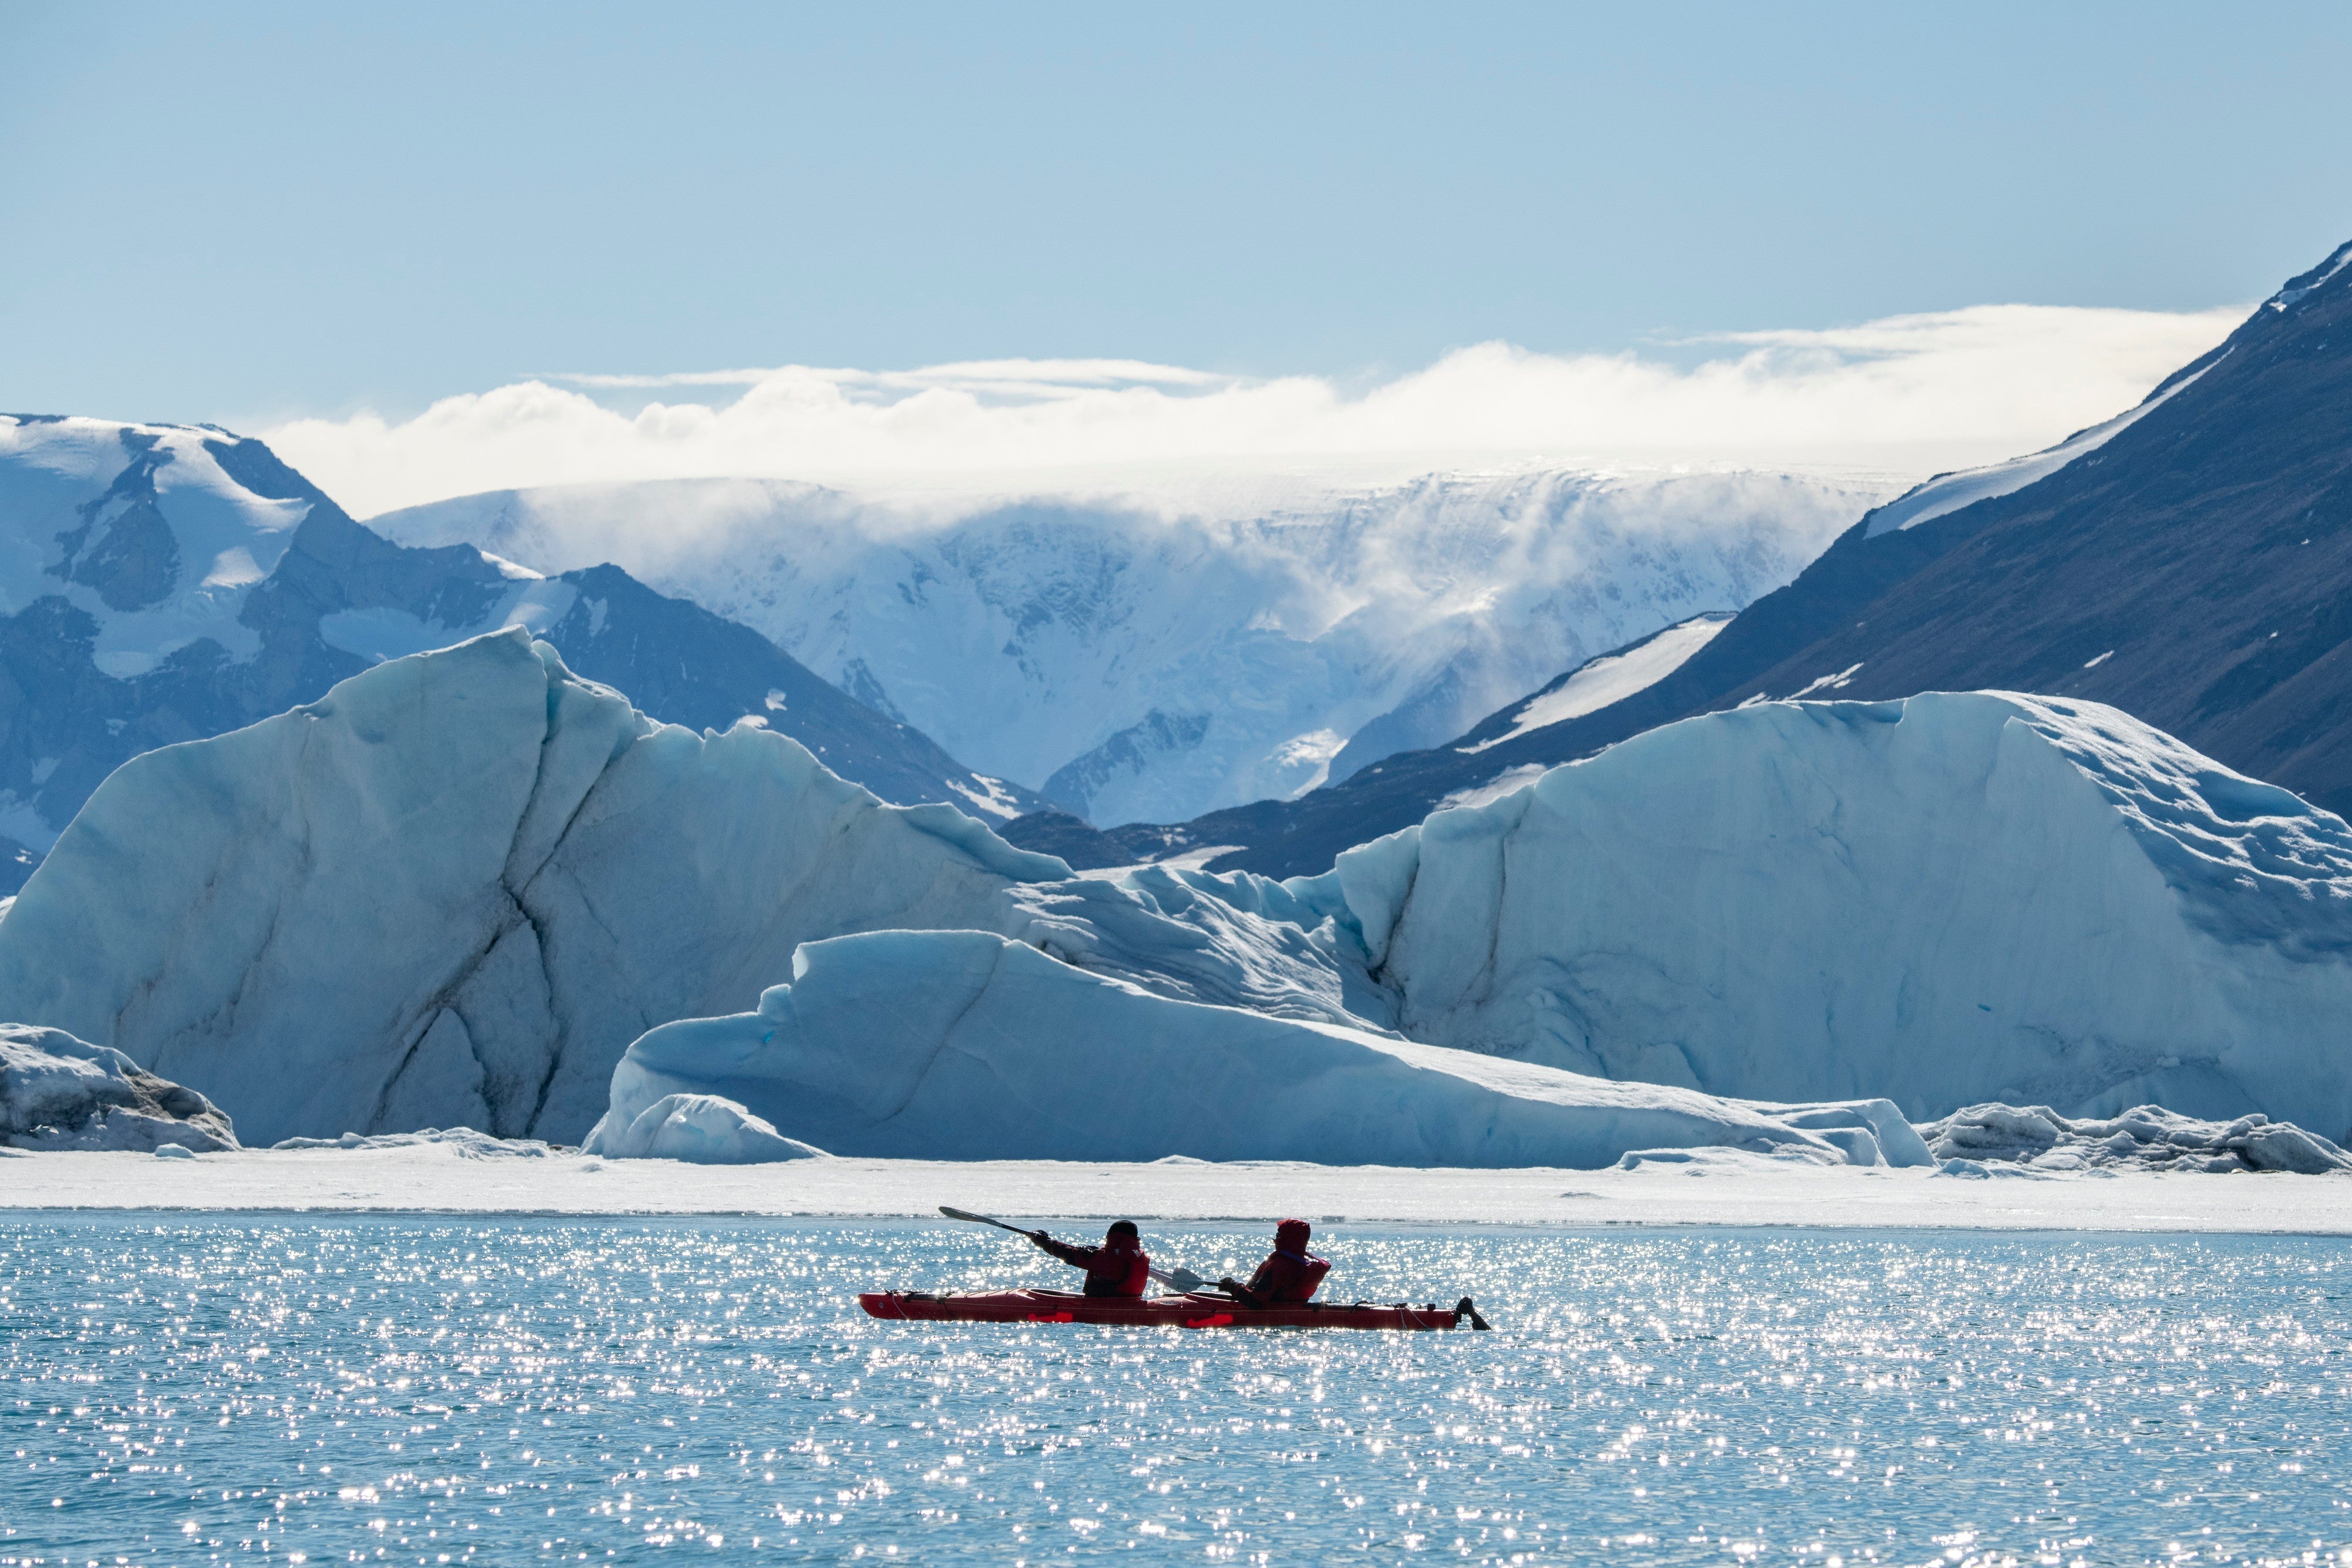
(1290, 1272)
(1116, 1268)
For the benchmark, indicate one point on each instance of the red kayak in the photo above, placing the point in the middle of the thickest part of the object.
(1192, 1311)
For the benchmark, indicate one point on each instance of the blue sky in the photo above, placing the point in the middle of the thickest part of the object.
(255, 211)
(384, 235)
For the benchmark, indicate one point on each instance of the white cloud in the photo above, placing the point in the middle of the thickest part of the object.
(1909, 393)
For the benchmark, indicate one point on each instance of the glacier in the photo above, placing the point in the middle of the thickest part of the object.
(1950, 899)
(1141, 662)
(58, 1093)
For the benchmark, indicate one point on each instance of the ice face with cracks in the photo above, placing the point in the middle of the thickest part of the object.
(452, 891)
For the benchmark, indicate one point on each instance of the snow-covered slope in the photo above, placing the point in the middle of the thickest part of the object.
(1144, 666)
(161, 582)
(126, 555)
(1947, 493)
(143, 528)
(960, 1045)
(1596, 682)
(2184, 562)
(1946, 900)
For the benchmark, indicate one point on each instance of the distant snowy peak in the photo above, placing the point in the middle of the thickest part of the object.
(155, 531)
(1153, 665)
(2182, 562)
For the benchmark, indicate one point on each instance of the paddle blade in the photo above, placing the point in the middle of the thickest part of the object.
(980, 1219)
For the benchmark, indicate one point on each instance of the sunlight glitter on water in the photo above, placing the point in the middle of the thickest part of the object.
(499, 1390)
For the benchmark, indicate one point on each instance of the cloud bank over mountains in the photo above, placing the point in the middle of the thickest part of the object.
(1904, 395)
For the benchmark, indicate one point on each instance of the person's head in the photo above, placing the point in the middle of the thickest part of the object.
(1291, 1235)
(1122, 1233)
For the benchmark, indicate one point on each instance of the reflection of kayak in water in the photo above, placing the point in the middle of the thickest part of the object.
(1191, 1311)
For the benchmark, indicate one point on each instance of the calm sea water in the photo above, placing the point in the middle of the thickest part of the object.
(498, 1391)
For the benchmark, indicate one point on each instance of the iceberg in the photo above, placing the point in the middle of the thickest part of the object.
(701, 1129)
(1948, 899)
(455, 893)
(452, 891)
(966, 1045)
(2145, 1137)
(61, 1093)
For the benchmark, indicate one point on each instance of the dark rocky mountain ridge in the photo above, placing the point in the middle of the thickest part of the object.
(2193, 568)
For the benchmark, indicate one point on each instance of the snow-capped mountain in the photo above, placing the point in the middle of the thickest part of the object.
(2189, 562)
(163, 582)
(1144, 664)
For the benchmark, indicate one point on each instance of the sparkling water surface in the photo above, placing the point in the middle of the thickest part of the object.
(502, 1390)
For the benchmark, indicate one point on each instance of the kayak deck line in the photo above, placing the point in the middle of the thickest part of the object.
(1194, 1311)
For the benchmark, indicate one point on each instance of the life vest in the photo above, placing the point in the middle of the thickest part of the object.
(1287, 1276)
(1118, 1272)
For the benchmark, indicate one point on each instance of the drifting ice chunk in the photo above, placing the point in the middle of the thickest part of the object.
(702, 1129)
(2147, 1137)
(60, 1093)
(461, 1142)
(962, 1045)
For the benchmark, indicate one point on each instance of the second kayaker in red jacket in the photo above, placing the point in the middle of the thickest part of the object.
(1119, 1267)
(1290, 1272)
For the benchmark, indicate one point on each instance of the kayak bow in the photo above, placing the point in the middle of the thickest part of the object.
(1191, 1311)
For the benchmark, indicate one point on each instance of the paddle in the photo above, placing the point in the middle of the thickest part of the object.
(1176, 1279)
